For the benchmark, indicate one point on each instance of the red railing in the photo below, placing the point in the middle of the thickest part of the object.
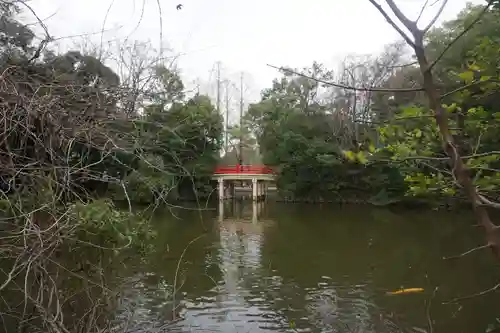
(244, 169)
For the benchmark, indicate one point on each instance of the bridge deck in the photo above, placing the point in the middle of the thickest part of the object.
(260, 176)
(244, 172)
(244, 176)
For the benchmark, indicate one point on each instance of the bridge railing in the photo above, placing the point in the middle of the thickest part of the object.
(244, 169)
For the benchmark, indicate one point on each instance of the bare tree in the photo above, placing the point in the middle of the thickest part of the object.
(352, 109)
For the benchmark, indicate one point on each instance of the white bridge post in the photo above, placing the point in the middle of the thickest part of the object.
(255, 212)
(221, 210)
(221, 188)
(255, 189)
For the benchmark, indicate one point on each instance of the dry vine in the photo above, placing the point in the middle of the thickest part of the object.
(63, 119)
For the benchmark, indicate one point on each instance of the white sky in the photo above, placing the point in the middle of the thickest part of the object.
(243, 35)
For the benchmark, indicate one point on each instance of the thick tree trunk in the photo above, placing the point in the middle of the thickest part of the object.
(459, 169)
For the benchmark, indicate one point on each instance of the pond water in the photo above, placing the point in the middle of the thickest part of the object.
(270, 267)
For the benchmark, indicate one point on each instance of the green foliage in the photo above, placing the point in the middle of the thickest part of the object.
(413, 142)
(71, 113)
(410, 139)
(242, 138)
(100, 223)
(298, 133)
(180, 142)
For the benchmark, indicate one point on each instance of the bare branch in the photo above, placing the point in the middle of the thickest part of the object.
(490, 153)
(428, 310)
(392, 23)
(174, 292)
(467, 252)
(386, 90)
(471, 85)
(412, 26)
(483, 201)
(45, 40)
(440, 10)
(413, 63)
(481, 293)
(422, 11)
(343, 86)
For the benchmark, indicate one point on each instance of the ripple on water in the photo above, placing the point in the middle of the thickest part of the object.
(257, 300)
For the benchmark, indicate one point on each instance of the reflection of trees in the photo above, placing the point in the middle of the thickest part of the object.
(240, 241)
(144, 305)
(320, 268)
(378, 251)
(240, 259)
(211, 276)
(150, 292)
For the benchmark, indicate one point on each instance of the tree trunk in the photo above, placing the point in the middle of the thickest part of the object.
(459, 170)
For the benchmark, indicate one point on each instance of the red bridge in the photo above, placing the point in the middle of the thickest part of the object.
(257, 175)
(244, 170)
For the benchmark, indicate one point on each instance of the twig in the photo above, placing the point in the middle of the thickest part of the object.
(483, 201)
(422, 11)
(440, 10)
(392, 23)
(428, 310)
(467, 252)
(471, 85)
(126, 195)
(481, 293)
(343, 86)
(177, 271)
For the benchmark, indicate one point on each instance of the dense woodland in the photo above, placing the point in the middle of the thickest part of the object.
(85, 134)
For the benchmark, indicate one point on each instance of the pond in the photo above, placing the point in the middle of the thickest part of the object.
(270, 267)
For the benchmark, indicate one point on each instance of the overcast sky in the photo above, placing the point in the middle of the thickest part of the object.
(243, 35)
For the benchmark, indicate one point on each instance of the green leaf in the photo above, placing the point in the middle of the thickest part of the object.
(474, 67)
(361, 157)
(468, 76)
(349, 155)
(450, 108)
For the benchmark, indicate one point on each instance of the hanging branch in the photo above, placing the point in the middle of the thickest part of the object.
(374, 89)
(344, 86)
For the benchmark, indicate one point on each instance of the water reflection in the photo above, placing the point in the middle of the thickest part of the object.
(234, 308)
(264, 267)
(240, 210)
